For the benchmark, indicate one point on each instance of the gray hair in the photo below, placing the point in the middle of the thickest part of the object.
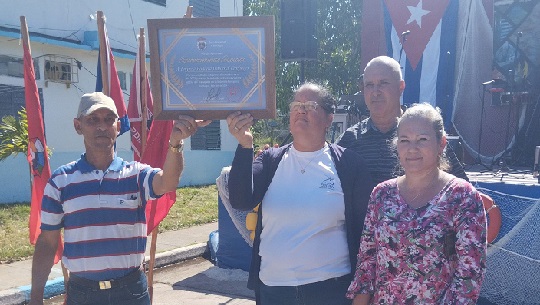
(388, 62)
(326, 100)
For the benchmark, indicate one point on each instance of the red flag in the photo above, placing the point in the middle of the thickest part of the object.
(134, 110)
(154, 155)
(115, 91)
(37, 148)
(154, 152)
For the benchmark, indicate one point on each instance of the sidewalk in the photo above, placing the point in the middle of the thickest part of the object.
(171, 247)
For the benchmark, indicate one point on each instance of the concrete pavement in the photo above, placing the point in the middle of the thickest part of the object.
(195, 282)
(172, 247)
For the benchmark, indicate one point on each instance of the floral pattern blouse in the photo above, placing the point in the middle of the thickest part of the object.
(435, 254)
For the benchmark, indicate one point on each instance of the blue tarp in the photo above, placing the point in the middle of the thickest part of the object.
(233, 252)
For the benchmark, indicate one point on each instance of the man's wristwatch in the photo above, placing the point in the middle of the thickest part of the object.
(178, 148)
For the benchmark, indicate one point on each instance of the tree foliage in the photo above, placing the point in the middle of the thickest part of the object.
(338, 38)
(13, 135)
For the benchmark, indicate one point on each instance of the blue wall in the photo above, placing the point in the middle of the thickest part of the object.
(14, 180)
(200, 167)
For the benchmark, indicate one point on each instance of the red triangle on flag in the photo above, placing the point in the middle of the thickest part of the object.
(420, 17)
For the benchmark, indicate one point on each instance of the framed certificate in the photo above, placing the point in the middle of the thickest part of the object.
(210, 67)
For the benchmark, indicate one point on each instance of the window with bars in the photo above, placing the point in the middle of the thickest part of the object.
(14, 66)
(207, 138)
(122, 79)
(205, 8)
(12, 100)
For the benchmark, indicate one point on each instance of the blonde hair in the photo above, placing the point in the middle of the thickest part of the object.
(433, 115)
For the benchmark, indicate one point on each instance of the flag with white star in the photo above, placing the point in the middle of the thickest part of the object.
(421, 34)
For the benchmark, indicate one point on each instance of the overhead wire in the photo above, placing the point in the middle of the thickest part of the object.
(132, 23)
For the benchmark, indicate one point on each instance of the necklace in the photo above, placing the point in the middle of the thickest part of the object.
(315, 156)
(303, 170)
(421, 191)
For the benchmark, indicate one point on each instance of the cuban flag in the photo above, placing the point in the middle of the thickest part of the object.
(421, 34)
(115, 91)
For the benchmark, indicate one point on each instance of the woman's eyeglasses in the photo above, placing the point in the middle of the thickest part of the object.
(308, 106)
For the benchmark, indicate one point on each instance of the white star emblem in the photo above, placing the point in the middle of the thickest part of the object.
(417, 13)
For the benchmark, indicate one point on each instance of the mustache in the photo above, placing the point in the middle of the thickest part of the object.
(102, 134)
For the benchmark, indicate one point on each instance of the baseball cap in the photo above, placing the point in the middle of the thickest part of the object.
(91, 102)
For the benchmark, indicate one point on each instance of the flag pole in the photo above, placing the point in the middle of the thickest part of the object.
(103, 52)
(143, 91)
(189, 12)
(24, 34)
(144, 119)
(153, 244)
(26, 45)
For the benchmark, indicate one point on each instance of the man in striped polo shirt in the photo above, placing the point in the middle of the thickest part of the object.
(372, 138)
(99, 201)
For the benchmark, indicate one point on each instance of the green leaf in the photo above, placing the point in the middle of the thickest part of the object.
(338, 63)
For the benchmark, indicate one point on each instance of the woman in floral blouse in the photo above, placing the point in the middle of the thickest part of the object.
(424, 239)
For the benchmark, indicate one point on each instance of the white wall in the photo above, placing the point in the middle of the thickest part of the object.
(70, 19)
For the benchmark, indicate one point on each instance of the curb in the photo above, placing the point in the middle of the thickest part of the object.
(12, 297)
(55, 287)
(179, 255)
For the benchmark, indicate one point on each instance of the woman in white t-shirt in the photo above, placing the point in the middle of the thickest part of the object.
(313, 199)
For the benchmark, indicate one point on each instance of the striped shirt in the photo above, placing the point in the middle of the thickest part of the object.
(380, 154)
(103, 216)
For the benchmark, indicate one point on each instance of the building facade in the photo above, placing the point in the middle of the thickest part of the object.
(63, 38)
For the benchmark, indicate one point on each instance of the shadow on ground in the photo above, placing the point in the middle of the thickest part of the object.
(226, 282)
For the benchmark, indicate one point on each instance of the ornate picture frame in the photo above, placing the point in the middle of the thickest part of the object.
(210, 67)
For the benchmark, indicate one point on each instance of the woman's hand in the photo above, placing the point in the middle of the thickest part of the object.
(239, 126)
